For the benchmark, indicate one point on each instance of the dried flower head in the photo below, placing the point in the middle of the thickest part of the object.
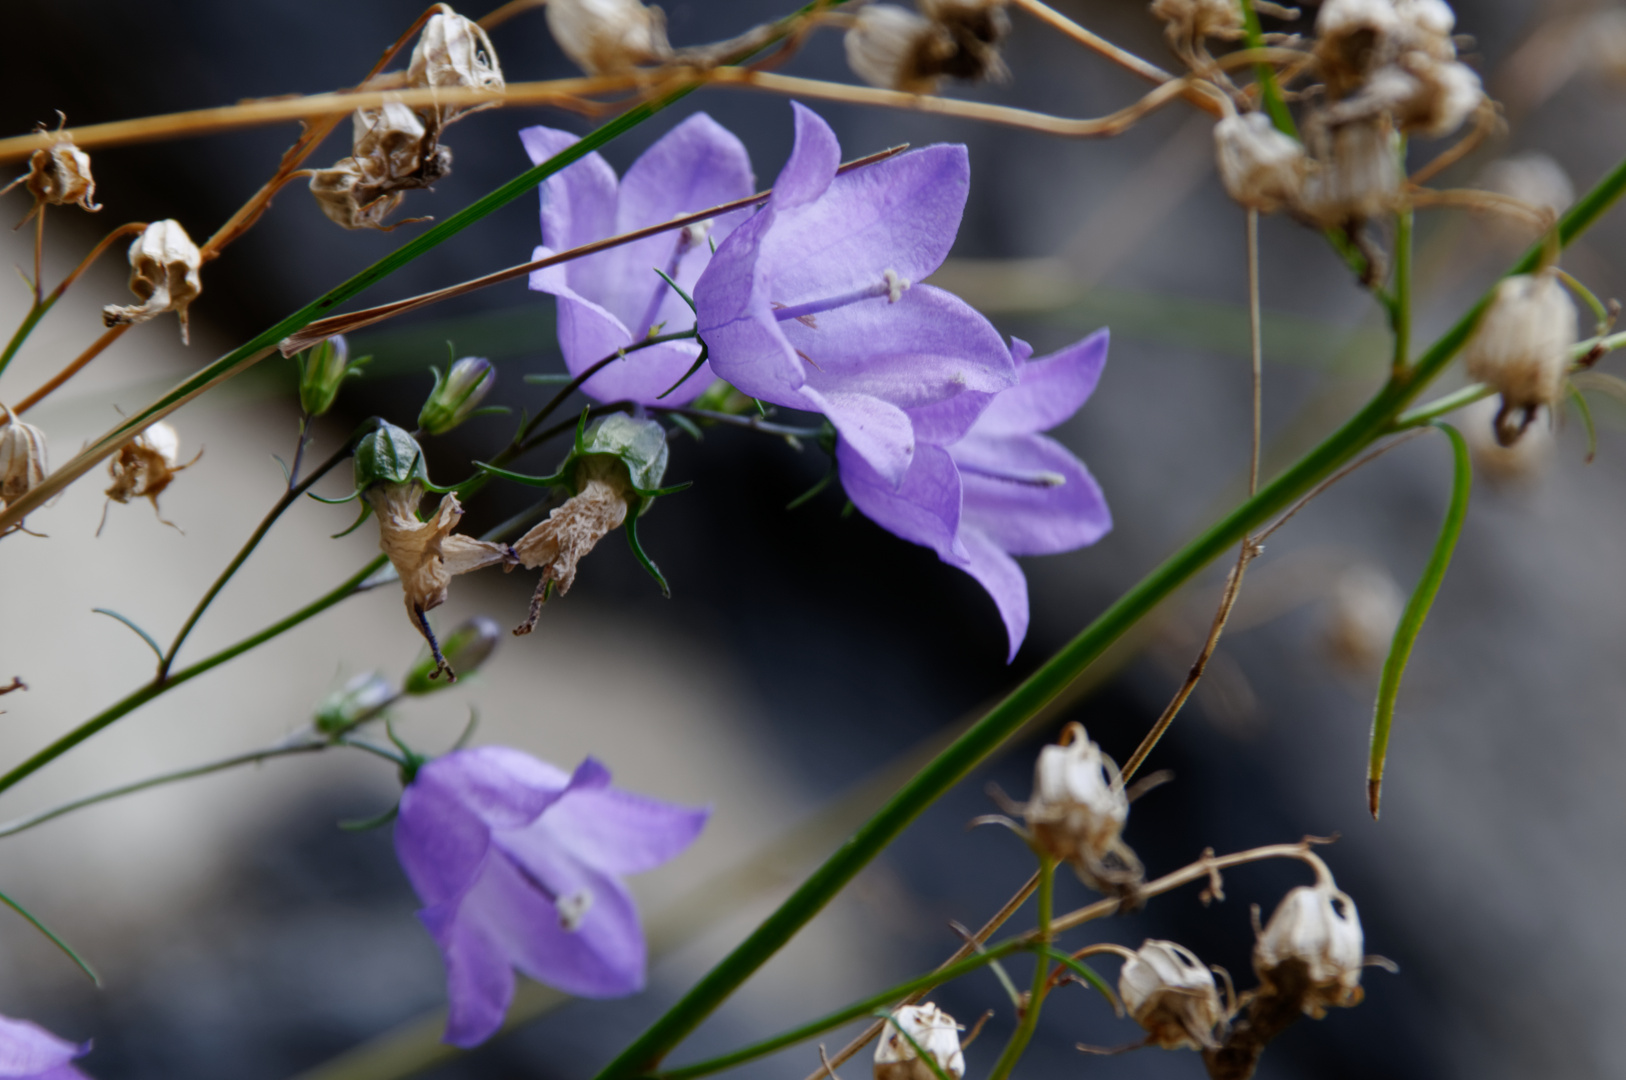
(1354, 173)
(607, 37)
(58, 175)
(1313, 944)
(1261, 167)
(1363, 608)
(1522, 348)
(898, 49)
(1167, 991)
(455, 52)
(1353, 39)
(1425, 26)
(164, 264)
(1078, 810)
(392, 151)
(23, 462)
(1532, 177)
(977, 28)
(145, 466)
(1505, 466)
(933, 1030)
(1189, 23)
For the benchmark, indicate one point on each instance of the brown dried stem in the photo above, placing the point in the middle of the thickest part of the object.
(96, 349)
(500, 15)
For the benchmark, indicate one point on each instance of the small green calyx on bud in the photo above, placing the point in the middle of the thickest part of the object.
(389, 455)
(638, 445)
(457, 394)
(359, 700)
(322, 369)
(722, 397)
(464, 649)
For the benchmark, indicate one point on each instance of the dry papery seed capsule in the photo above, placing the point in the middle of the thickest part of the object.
(1522, 348)
(1353, 39)
(1505, 466)
(23, 462)
(933, 1030)
(1439, 97)
(1188, 23)
(145, 466)
(1425, 25)
(1078, 810)
(58, 175)
(1313, 947)
(1354, 172)
(977, 27)
(1167, 991)
(608, 37)
(392, 151)
(164, 264)
(898, 49)
(1260, 167)
(454, 52)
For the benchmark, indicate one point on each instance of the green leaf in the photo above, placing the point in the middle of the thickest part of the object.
(151, 644)
(1411, 620)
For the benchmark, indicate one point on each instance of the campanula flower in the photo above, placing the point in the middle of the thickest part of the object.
(519, 865)
(611, 300)
(811, 304)
(1000, 488)
(29, 1052)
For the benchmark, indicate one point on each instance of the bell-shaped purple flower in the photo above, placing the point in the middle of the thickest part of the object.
(29, 1052)
(518, 865)
(810, 304)
(611, 300)
(1001, 489)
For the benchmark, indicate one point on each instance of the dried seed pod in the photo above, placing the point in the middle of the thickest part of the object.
(164, 264)
(977, 28)
(1522, 348)
(58, 175)
(1505, 466)
(454, 51)
(897, 49)
(1533, 178)
(1189, 23)
(1167, 991)
(1425, 25)
(608, 37)
(1354, 173)
(1440, 97)
(392, 151)
(145, 466)
(933, 1030)
(1316, 932)
(1077, 812)
(1261, 167)
(23, 461)
(1353, 39)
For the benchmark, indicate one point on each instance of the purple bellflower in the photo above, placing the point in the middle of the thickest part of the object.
(29, 1052)
(810, 303)
(611, 300)
(1001, 489)
(518, 865)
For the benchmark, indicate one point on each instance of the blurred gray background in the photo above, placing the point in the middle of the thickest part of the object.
(804, 654)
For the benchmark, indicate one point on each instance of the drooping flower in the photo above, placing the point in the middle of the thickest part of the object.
(144, 468)
(980, 496)
(810, 303)
(611, 300)
(29, 1052)
(929, 1028)
(1167, 991)
(164, 265)
(519, 864)
(1078, 810)
(1313, 945)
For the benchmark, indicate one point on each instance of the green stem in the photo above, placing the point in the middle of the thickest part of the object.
(1449, 403)
(1048, 682)
(1041, 977)
(1269, 90)
(35, 313)
(157, 687)
(1400, 305)
(52, 937)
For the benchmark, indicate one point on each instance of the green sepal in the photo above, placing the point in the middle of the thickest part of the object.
(638, 549)
(699, 362)
(389, 455)
(366, 508)
(685, 297)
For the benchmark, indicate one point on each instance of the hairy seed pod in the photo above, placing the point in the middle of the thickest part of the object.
(897, 49)
(1522, 348)
(1260, 167)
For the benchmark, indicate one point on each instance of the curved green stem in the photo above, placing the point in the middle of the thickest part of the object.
(1041, 977)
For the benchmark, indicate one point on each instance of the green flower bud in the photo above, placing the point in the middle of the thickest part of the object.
(721, 396)
(465, 649)
(389, 456)
(456, 394)
(362, 698)
(322, 368)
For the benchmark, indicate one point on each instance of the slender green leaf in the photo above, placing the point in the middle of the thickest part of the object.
(127, 621)
(52, 937)
(1411, 620)
(1585, 410)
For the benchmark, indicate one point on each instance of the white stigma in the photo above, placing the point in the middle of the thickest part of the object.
(895, 285)
(573, 908)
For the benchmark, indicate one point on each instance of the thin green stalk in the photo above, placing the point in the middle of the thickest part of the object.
(1440, 406)
(36, 312)
(1269, 90)
(1054, 676)
(157, 687)
(1400, 307)
(1041, 977)
(51, 936)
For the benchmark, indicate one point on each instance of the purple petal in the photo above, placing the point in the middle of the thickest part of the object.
(1008, 499)
(61, 1072)
(479, 978)
(588, 333)
(28, 1050)
(924, 509)
(998, 573)
(737, 321)
(876, 430)
(622, 833)
(505, 787)
(603, 956)
(697, 165)
(441, 842)
(813, 160)
(578, 207)
(1052, 389)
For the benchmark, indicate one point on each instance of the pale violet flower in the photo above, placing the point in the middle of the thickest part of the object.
(29, 1052)
(613, 299)
(813, 304)
(519, 865)
(979, 496)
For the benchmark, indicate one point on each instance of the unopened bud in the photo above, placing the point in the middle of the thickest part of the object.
(1167, 991)
(456, 394)
(1261, 167)
(1522, 348)
(164, 264)
(23, 462)
(465, 649)
(454, 51)
(360, 699)
(933, 1030)
(897, 49)
(1078, 810)
(390, 456)
(58, 175)
(608, 37)
(1314, 939)
(322, 369)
